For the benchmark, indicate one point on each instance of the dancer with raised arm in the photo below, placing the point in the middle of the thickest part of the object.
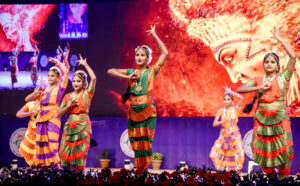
(66, 55)
(272, 143)
(76, 137)
(47, 122)
(34, 68)
(228, 152)
(142, 110)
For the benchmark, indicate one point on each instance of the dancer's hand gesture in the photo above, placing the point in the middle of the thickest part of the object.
(152, 30)
(53, 60)
(275, 33)
(39, 90)
(133, 76)
(265, 86)
(81, 61)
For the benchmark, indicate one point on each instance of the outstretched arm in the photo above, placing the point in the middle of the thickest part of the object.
(38, 50)
(24, 112)
(60, 50)
(90, 71)
(163, 49)
(246, 89)
(33, 96)
(292, 55)
(117, 73)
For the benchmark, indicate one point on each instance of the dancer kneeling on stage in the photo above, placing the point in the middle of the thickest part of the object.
(75, 141)
(142, 110)
(228, 152)
(272, 136)
(47, 122)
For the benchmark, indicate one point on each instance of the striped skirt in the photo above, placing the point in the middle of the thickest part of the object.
(13, 71)
(272, 145)
(141, 130)
(75, 142)
(34, 75)
(47, 142)
(227, 152)
(28, 145)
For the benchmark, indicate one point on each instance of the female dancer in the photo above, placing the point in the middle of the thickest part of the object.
(142, 110)
(28, 145)
(228, 153)
(48, 124)
(14, 67)
(34, 69)
(59, 53)
(66, 55)
(272, 136)
(75, 141)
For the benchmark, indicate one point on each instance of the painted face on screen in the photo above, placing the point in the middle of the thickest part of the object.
(53, 77)
(77, 83)
(271, 63)
(228, 99)
(237, 61)
(238, 33)
(141, 57)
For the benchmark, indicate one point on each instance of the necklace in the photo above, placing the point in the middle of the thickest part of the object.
(139, 83)
(48, 89)
(269, 81)
(229, 114)
(75, 96)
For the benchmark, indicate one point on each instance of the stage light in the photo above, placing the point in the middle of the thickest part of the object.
(14, 164)
(44, 61)
(127, 164)
(73, 61)
(182, 165)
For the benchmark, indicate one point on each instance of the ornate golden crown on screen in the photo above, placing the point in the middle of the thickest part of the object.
(221, 30)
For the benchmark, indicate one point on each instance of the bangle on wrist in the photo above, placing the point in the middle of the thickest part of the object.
(259, 88)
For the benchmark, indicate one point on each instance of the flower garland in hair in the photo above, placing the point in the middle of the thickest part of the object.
(55, 68)
(149, 52)
(83, 77)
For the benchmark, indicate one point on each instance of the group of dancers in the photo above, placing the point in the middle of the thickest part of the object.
(272, 142)
(33, 60)
(272, 137)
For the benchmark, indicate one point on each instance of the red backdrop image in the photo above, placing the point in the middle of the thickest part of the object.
(211, 45)
(21, 24)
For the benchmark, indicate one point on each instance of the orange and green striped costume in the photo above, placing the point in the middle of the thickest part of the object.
(228, 152)
(28, 147)
(75, 141)
(142, 115)
(272, 136)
